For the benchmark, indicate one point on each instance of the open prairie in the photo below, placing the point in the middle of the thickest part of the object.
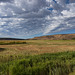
(29, 47)
(37, 57)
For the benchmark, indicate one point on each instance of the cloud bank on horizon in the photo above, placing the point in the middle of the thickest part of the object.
(30, 17)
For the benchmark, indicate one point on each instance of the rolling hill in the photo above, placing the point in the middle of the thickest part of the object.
(56, 37)
(48, 37)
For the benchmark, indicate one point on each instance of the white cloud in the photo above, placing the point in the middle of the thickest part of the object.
(29, 17)
(72, 1)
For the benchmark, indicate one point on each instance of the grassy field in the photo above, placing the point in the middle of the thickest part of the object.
(73, 73)
(29, 47)
(52, 55)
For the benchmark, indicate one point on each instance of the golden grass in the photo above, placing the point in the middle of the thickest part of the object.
(37, 47)
(73, 73)
(12, 52)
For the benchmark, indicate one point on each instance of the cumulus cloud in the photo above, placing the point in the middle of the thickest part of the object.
(6, 0)
(72, 1)
(30, 17)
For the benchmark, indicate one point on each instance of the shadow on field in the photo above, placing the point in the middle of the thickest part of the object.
(2, 49)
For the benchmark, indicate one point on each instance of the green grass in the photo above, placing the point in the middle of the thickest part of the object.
(73, 38)
(45, 64)
(37, 57)
(73, 73)
(11, 42)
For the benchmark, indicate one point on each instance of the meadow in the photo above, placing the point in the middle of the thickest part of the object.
(37, 57)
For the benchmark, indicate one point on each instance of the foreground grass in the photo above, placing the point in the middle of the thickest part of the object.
(37, 57)
(73, 73)
(45, 64)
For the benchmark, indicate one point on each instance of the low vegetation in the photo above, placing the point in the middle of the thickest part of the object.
(37, 57)
(11, 42)
(45, 64)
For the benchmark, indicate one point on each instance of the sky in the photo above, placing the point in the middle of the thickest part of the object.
(32, 18)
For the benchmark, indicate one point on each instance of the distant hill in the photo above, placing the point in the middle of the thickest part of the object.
(10, 39)
(48, 37)
(56, 37)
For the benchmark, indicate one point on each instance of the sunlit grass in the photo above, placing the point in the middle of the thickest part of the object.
(45, 64)
(13, 51)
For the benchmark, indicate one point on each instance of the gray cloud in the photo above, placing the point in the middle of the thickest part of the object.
(72, 1)
(29, 17)
(6, 0)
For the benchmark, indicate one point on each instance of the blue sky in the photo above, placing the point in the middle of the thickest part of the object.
(32, 18)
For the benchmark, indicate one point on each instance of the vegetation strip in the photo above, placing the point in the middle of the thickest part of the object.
(45, 64)
(11, 42)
